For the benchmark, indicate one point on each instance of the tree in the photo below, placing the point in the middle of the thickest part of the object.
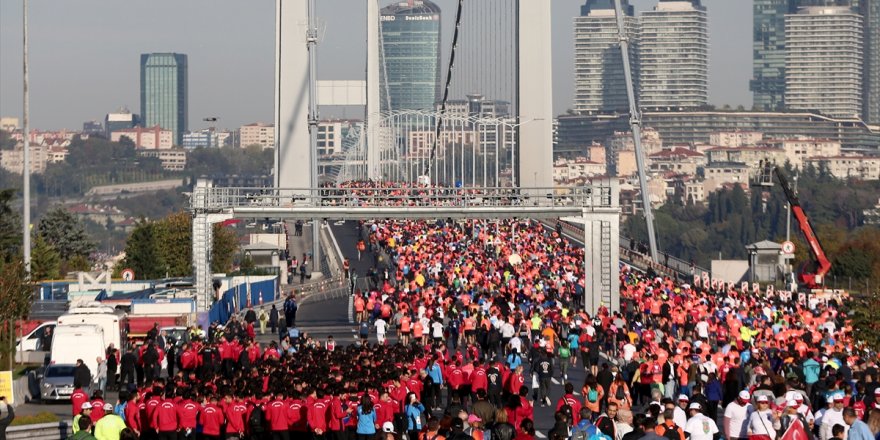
(142, 253)
(45, 261)
(175, 243)
(66, 233)
(865, 317)
(224, 247)
(10, 226)
(15, 300)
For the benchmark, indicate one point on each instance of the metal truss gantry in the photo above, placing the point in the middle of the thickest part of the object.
(596, 204)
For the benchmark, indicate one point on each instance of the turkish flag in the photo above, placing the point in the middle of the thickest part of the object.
(795, 431)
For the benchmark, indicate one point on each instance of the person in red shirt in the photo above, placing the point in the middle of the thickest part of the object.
(187, 416)
(278, 415)
(299, 426)
(318, 407)
(337, 413)
(236, 417)
(133, 411)
(77, 399)
(165, 419)
(572, 401)
(211, 418)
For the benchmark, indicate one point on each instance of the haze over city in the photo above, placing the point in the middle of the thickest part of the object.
(84, 58)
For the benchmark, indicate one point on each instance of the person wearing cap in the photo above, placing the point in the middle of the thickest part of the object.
(698, 426)
(763, 422)
(388, 431)
(679, 416)
(109, 427)
(790, 414)
(82, 427)
(85, 410)
(833, 416)
(736, 417)
(475, 427)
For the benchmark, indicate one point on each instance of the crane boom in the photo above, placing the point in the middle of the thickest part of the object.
(635, 122)
(815, 278)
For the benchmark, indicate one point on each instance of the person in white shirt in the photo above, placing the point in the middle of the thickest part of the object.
(833, 416)
(702, 329)
(699, 427)
(679, 416)
(736, 417)
(437, 331)
(628, 351)
(763, 421)
(381, 328)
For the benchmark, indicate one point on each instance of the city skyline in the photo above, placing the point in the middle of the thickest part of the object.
(230, 72)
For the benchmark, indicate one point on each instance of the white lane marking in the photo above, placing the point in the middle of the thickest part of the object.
(540, 434)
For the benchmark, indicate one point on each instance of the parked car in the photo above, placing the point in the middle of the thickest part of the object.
(56, 382)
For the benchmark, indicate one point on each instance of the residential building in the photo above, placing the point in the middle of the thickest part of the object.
(623, 163)
(801, 148)
(599, 80)
(870, 10)
(677, 160)
(823, 60)
(652, 142)
(737, 138)
(13, 160)
(93, 127)
(57, 154)
(205, 138)
(152, 138)
(597, 153)
(410, 53)
(172, 160)
(164, 92)
(768, 49)
(120, 120)
(258, 133)
(566, 171)
(332, 133)
(674, 56)
(689, 190)
(9, 124)
(848, 167)
(716, 175)
(749, 156)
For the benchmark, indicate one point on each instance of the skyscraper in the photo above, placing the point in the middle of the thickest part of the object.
(768, 79)
(164, 90)
(600, 86)
(674, 55)
(823, 60)
(410, 55)
(870, 10)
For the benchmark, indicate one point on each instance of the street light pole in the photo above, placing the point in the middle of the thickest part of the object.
(26, 186)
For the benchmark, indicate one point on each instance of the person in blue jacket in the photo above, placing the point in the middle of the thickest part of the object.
(413, 410)
(366, 426)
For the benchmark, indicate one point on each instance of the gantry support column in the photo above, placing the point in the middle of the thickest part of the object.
(535, 88)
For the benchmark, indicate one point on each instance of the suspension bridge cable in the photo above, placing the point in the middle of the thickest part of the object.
(446, 89)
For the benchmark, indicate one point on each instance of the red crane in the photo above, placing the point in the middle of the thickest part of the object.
(811, 276)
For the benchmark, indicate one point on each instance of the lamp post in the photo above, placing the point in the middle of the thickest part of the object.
(26, 172)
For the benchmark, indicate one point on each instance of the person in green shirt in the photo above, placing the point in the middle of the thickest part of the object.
(83, 428)
(109, 427)
(85, 411)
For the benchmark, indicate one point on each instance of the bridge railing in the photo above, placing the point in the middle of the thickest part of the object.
(219, 198)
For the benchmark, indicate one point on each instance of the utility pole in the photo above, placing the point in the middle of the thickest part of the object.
(635, 122)
(26, 186)
(312, 42)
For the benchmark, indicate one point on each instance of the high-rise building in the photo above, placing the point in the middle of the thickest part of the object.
(600, 85)
(768, 52)
(122, 119)
(823, 60)
(674, 56)
(164, 90)
(410, 55)
(870, 10)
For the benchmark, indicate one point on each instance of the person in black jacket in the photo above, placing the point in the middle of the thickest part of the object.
(82, 374)
(6, 420)
(128, 369)
(273, 318)
(112, 364)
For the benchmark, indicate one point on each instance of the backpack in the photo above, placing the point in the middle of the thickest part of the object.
(579, 433)
(593, 395)
(620, 393)
(255, 420)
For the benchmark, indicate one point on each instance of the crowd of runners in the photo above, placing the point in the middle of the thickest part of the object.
(468, 328)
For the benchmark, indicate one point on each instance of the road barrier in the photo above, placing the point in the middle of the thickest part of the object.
(41, 431)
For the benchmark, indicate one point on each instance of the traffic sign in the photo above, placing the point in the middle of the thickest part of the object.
(788, 248)
(128, 275)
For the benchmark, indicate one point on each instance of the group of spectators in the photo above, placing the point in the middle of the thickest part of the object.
(478, 325)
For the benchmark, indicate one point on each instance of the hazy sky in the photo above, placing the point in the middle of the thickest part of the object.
(85, 54)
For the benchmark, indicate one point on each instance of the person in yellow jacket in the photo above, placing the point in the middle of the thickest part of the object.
(110, 426)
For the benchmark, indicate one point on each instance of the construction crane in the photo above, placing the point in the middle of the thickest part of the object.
(635, 122)
(812, 275)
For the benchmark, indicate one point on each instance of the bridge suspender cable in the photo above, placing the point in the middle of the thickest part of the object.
(439, 123)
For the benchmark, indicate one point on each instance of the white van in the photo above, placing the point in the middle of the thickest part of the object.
(104, 317)
(31, 341)
(78, 341)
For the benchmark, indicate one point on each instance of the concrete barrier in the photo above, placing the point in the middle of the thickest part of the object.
(41, 431)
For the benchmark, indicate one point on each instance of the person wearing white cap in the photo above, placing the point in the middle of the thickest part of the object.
(110, 426)
(388, 431)
(699, 427)
(790, 414)
(763, 422)
(736, 417)
(85, 410)
(833, 416)
(678, 414)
